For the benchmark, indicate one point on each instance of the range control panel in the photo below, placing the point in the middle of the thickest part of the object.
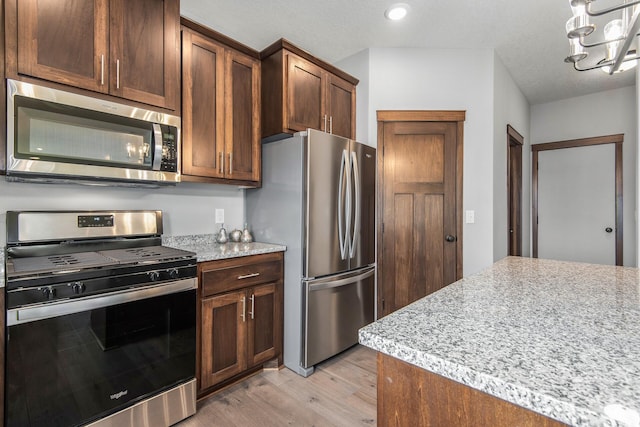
(95, 221)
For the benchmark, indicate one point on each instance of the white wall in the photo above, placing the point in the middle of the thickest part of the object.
(188, 208)
(358, 66)
(442, 79)
(510, 108)
(602, 113)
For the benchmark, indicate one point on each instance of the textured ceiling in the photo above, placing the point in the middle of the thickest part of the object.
(528, 36)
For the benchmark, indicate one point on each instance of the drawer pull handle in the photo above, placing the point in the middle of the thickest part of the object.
(244, 309)
(247, 276)
(253, 306)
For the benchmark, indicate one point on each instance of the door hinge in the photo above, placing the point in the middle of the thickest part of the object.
(383, 227)
(383, 305)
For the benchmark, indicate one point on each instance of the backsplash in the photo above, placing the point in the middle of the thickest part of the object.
(188, 208)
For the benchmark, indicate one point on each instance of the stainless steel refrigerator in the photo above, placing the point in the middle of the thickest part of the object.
(318, 198)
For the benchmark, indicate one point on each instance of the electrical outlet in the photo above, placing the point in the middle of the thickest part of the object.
(470, 217)
(219, 216)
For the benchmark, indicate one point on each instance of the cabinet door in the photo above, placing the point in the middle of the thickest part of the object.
(264, 324)
(242, 124)
(202, 106)
(223, 336)
(341, 98)
(144, 59)
(305, 95)
(64, 41)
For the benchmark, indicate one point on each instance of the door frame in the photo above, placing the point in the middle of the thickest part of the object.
(515, 143)
(616, 139)
(383, 116)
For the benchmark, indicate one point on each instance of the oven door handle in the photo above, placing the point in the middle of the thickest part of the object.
(18, 316)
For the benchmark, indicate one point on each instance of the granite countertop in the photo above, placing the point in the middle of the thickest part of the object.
(206, 248)
(559, 338)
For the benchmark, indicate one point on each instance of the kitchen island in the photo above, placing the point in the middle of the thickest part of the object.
(539, 341)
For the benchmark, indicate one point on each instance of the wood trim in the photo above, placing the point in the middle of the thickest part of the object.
(219, 37)
(514, 228)
(534, 204)
(582, 142)
(287, 45)
(420, 116)
(381, 297)
(619, 206)
(3, 144)
(459, 192)
(514, 135)
(617, 139)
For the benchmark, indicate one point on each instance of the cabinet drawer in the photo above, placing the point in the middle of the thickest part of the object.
(228, 278)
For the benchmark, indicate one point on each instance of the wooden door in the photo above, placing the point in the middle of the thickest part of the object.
(421, 197)
(202, 106)
(223, 338)
(341, 107)
(263, 328)
(514, 184)
(242, 117)
(144, 59)
(305, 95)
(64, 41)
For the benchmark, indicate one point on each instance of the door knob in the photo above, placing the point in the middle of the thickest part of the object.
(608, 229)
(450, 238)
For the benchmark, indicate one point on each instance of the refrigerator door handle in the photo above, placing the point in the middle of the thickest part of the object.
(341, 207)
(358, 202)
(340, 282)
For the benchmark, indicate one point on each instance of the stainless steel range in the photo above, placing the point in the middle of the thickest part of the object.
(100, 321)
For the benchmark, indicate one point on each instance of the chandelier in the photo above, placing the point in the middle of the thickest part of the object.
(615, 44)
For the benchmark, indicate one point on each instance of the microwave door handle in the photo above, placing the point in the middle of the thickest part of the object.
(157, 147)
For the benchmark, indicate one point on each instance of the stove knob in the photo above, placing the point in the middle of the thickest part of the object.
(78, 287)
(49, 292)
(173, 273)
(153, 275)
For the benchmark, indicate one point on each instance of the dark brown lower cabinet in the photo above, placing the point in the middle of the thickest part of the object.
(241, 318)
(411, 396)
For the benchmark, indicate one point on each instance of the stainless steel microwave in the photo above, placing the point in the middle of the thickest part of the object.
(54, 136)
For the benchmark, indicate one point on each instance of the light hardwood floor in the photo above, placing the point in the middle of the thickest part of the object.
(341, 392)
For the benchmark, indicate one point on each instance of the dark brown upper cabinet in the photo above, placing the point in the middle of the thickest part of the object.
(300, 91)
(220, 108)
(117, 47)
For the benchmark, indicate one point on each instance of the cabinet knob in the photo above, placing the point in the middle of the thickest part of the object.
(450, 238)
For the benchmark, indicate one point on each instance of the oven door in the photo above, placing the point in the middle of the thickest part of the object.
(99, 355)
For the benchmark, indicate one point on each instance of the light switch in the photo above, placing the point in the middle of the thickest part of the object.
(470, 217)
(219, 216)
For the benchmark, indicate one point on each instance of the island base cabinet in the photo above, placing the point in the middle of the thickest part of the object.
(411, 396)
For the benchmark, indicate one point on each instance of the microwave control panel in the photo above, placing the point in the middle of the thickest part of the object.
(169, 149)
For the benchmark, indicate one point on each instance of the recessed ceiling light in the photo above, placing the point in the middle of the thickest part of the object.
(397, 11)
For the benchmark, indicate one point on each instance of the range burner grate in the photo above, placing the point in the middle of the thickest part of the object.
(57, 263)
(144, 254)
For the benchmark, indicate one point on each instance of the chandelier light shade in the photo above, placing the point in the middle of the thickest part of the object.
(576, 51)
(613, 48)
